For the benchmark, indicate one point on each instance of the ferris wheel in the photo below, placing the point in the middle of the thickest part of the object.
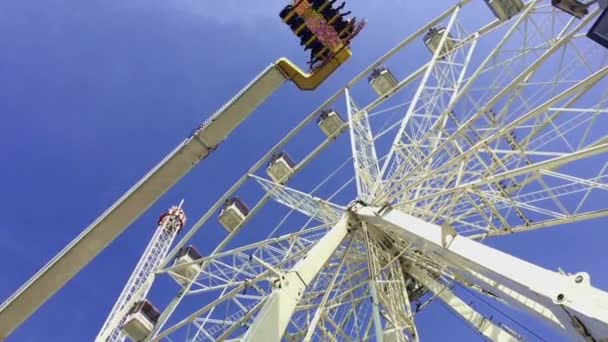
(379, 203)
(502, 130)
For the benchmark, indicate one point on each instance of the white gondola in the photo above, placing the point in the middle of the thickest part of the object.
(599, 30)
(505, 9)
(140, 320)
(233, 213)
(330, 122)
(186, 255)
(382, 80)
(572, 7)
(280, 167)
(433, 38)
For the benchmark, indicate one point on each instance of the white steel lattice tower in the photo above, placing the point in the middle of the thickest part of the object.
(138, 285)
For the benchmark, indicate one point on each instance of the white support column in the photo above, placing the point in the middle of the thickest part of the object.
(580, 310)
(273, 319)
(475, 320)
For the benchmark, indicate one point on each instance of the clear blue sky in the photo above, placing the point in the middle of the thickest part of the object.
(94, 93)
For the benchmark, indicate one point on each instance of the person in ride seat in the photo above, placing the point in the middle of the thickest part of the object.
(305, 36)
(316, 47)
(313, 60)
(349, 29)
(285, 11)
(329, 12)
(340, 25)
(316, 4)
(295, 22)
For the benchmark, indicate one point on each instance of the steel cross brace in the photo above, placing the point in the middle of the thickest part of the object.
(569, 302)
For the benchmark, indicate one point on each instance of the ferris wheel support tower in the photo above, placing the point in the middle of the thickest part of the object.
(138, 285)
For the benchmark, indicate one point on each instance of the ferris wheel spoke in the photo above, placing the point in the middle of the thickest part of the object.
(448, 147)
(423, 145)
(482, 145)
(518, 282)
(437, 86)
(556, 192)
(364, 151)
(481, 188)
(304, 203)
(235, 325)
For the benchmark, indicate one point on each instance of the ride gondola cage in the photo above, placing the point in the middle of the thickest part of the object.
(382, 80)
(140, 320)
(184, 274)
(433, 37)
(280, 167)
(330, 122)
(233, 213)
(599, 30)
(505, 9)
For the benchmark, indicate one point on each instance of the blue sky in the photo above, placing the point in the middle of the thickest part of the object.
(93, 94)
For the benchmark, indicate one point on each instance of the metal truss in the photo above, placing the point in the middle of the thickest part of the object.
(364, 151)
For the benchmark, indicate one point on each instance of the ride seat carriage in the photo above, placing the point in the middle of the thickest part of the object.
(321, 28)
